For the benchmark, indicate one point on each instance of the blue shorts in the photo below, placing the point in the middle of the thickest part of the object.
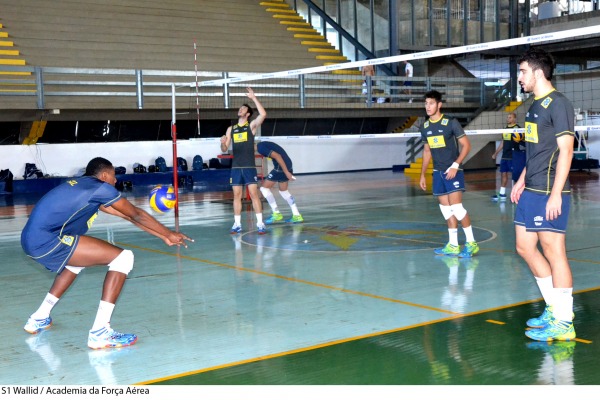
(531, 213)
(53, 254)
(277, 175)
(518, 163)
(442, 186)
(505, 165)
(243, 176)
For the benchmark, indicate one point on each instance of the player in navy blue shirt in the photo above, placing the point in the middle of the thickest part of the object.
(55, 236)
(542, 194)
(280, 174)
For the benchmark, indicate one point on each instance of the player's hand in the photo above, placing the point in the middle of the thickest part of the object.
(553, 207)
(290, 176)
(250, 93)
(515, 193)
(423, 183)
(223, 139)
(451, 173)
(177, 239)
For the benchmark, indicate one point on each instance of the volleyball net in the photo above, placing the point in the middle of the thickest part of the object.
(475, 82)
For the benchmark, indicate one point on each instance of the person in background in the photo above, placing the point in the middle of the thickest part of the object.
(441, 137)
(281, 174)
(243, 166)
(507, 146)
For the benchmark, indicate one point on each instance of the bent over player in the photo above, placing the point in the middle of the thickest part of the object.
(280, 174)
(55, 237)
(441, 137)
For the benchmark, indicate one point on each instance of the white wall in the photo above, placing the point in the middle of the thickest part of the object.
(310, 154)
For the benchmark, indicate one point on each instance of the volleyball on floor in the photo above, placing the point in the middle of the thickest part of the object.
(162, 198)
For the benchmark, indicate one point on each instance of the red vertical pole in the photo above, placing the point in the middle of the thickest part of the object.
(174, 138)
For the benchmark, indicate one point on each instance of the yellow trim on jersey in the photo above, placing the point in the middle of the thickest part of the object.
(544, 95)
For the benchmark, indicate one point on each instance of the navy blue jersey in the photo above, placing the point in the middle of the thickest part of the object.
(68, 210)
(442, 137)
(548, 118)
(243, 146)
(265, 149)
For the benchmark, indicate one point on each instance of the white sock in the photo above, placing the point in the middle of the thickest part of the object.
(502, 190)
(45, 308)
(268, 195)
(237, 219)
(105, 310)
(546, 288)
(287, 196)
(469, 233)
(259, 220)
(453, 236)
(563, 304)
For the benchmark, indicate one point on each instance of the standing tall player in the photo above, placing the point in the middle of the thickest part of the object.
(55, 237)
(506, 162)
(441, 137)
(243, 167)
(543, 199)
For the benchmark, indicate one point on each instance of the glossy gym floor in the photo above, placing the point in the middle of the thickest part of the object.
(354, 295)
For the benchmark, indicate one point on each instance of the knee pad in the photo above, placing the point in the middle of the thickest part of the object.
(287, 197)
(75, 270)
(459, 211)
(446, 211)
(123, 263)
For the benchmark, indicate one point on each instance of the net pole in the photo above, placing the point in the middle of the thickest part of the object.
(197, 94)
(175, 164)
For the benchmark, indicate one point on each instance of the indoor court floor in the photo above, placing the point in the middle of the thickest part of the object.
(352, 296)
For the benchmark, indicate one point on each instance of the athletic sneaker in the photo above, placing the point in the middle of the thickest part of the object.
(447, 250)
(555, 330)
(542, 320)
(471, 248)
(235, 229)
(275, 217)
(34, 326)
(262, 229)
(499, 197)
(106, 337)
(296, 219)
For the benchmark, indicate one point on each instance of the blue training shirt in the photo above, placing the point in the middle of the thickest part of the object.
(265, 149)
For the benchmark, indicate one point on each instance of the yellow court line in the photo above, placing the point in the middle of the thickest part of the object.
(296, 280)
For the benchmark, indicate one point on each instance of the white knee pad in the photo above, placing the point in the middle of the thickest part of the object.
(75, 270)
(123, 263)
(459, 211)
(287, 197)
(446, 211)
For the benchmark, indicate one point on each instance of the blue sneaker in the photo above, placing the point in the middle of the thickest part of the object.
(471, 248)
(235, 229)
(34, 326)
(447, 250)
(262, 229)
(542, 320)
(555, 330)
(296, 219)
(106, 337)
(275, 217)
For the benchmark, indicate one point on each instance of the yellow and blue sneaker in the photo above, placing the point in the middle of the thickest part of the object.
(471, 248)
(296, 219)
(275, 217)
(542, 320)
(555, 330)
(447, 250)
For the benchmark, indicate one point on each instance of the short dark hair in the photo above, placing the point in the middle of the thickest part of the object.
(250, 110)
(539, 59)
(433, 94)
(97, 165)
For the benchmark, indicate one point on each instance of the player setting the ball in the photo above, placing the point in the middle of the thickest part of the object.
(55, 237)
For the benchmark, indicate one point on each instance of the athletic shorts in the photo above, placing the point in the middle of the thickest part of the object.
(505, 165)
(243, 176)
(277, 175)
(531, 213)
(443, 186)
(54, 254)
(518, 163)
